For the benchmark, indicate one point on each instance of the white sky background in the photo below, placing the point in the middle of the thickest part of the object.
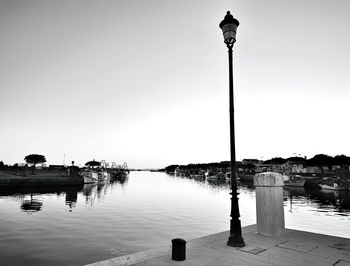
(146, 82)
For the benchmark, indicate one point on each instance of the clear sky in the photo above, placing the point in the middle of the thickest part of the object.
(146, 82)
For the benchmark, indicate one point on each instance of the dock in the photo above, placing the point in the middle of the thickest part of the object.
(39, 179)
(292, 248)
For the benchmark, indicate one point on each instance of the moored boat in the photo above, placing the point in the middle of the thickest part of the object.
(212, 175)
(121, 172)
(103, 176)
(211, 178)
(294, 183)
(89, 176)
(333, 186)
(334, 183)
(245, 177)
(198, 176)
(228, 176)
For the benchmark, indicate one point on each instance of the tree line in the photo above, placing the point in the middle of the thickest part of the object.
(319, 160)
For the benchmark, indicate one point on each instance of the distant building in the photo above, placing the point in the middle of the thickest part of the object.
(20, 164)
(252, 161)
(42, 166)
(335, 167)
(313, 170)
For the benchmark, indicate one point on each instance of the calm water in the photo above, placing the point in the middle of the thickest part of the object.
(75, 226)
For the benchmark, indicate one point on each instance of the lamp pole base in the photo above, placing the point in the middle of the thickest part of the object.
(235, 241)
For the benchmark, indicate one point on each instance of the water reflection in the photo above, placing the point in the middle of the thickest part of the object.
(32, 205)
(140, 213)
(88, 190)
(340, 200)
(217, 183)
(35, 203)
(71, 197)
(246, 185)
(101, 190)
(214, 183)
(321, 200)
(31, 202)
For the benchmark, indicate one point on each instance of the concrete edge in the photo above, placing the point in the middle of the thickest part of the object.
(137, 257)
(133, 258)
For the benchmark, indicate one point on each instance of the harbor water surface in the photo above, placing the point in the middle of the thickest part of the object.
(85, 224)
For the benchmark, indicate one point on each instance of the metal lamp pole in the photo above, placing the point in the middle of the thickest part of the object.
(229, 27)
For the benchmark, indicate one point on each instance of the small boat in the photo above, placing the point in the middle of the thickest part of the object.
(119, 174)
(210, 175)
(333, 186)
(293, 181)
(245, 177)
(198, 176)
(89, 176)
(213, 175)
(333, 183)
(211, 178)
(103, 176)
(221, 175)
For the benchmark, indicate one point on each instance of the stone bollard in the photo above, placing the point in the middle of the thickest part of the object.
(178, 249)
(269, 203)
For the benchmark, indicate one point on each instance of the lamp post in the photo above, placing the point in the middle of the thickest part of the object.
(229, 27)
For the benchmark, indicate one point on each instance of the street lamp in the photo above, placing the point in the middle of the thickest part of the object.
(229, 27)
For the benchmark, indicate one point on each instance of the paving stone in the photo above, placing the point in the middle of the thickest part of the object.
(297, 246)
(252, 250)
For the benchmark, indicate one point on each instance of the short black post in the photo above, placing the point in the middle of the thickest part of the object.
(178, 249)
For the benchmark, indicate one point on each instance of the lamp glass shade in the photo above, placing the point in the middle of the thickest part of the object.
(229, 31)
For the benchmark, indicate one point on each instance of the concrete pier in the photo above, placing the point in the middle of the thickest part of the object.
(290, 249)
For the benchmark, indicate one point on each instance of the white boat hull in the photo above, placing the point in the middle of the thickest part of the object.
(211, 178)
(332, 187)
(90, 177)
(294, 183)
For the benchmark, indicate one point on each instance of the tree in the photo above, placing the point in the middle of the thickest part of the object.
(35, 159)
(93, 163)
(342, 160)
(321, 160)
(296, 159)
(171, 168)
(2, 165)
(276, 160)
